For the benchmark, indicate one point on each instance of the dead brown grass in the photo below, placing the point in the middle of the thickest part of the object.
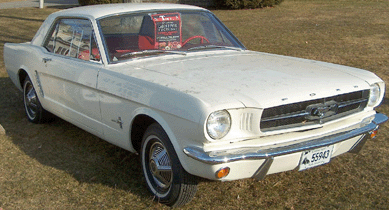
(58, 166)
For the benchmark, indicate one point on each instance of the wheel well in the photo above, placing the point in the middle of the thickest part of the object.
(139, 126)
(22, 76)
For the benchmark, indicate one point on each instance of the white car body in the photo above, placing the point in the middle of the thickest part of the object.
(179, 92)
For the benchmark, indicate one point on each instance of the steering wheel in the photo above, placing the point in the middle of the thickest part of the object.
(195, 37)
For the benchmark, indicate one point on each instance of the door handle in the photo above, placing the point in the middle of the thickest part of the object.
(45, 60)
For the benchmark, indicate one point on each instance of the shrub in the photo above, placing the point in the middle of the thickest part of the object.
(91, 2)
(246, 4)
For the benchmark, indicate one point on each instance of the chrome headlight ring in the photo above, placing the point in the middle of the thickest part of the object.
(218, 124)
(375, 95)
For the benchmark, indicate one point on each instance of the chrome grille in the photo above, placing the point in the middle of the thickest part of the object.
(314, 111)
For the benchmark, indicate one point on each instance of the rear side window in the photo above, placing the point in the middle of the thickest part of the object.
(74, 38)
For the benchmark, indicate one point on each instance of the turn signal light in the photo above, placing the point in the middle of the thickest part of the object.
(223, 172)
(373, 134)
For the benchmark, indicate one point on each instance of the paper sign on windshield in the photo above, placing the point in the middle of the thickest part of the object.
(167, 31)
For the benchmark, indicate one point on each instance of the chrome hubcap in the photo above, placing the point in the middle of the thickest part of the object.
(160, 166)
(31, 101)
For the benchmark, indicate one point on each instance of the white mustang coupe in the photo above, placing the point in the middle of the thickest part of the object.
(171, 83)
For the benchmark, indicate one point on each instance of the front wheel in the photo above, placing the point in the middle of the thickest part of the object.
(165, 177)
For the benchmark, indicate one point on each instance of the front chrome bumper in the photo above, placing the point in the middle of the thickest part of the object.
(270, 153)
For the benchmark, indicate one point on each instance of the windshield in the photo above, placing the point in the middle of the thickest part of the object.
(144, 34)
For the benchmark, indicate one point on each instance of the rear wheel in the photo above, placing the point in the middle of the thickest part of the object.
(34, 110)
(165, 177)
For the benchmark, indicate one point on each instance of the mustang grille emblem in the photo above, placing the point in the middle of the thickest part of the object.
(322, 110)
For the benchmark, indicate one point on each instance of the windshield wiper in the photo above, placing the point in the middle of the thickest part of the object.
(213, 47)
(152, 52)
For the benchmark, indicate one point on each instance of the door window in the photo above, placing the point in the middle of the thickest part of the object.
(74, 38)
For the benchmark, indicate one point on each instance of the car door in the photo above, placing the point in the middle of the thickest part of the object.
(69, 76)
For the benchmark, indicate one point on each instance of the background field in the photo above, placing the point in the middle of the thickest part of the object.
(58, 166)
(3, 1)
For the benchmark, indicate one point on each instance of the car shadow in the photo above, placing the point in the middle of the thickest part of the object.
(65, 147)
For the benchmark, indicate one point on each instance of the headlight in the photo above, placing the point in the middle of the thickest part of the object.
(375, 93)
(218, 124)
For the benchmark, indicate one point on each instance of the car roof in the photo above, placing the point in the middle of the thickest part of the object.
(104, 10)
(98, 11)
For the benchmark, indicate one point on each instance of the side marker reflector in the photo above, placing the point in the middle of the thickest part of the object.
(223, 172)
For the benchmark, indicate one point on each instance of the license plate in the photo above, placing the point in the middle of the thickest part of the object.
(316, 157)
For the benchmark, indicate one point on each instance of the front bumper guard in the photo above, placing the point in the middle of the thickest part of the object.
(269, 153)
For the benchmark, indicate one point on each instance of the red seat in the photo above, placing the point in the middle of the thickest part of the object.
(85, 55)
(145, 43)
(146, 37)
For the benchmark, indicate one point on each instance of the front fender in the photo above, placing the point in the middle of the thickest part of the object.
(175, 129)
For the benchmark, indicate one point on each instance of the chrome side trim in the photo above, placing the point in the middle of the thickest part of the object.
(39, 84)
(258, 153)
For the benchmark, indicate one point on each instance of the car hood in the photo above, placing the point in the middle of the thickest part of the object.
(255, 79)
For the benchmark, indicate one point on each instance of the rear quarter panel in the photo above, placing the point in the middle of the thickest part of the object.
(19, 56)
